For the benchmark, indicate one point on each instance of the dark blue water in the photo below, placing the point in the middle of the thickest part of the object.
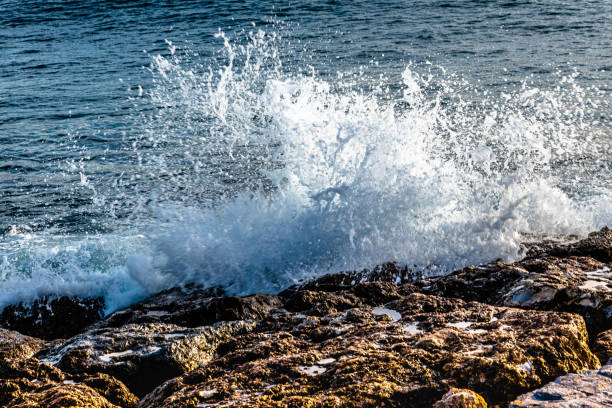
(145, 144)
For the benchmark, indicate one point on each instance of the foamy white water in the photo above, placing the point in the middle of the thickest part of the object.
(423, 169)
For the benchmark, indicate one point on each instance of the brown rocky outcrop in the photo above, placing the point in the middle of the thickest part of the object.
(408, 353)
(64, 395)
(20, 372)
(577, 279)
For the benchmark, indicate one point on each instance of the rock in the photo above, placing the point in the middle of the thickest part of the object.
(321, 303)
(140, 355)
(571, 277)
(52, 318)
(338, 292)
(110, 388)
(589, 389)
(19, 372)
(410, 352)
(91, 391)
(194, 307)
(602, 346)
(66, 395)
(460, 398)
(33, 385)
(16, 346)
(580, 285)
(534, 245)
(336, 282)
(25, 382)
(597, 245)
(384, 337)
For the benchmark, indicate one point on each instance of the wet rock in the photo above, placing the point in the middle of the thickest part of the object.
(410, 352)
(336, 282)
(602, 346)
(52, 318)
(93, 391)
(589, 389)
(580, 285)
(533, 245)
(342, 291)
(140, 355)
(460, 398)
(193, 307)
(321, 303)
(597, 245)
(311, 302)
(383, 337)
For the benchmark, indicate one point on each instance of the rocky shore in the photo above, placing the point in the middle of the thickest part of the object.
(533, 333)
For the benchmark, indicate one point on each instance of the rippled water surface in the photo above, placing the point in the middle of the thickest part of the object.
(248, 144)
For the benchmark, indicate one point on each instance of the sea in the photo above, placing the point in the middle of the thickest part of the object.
(253, 144)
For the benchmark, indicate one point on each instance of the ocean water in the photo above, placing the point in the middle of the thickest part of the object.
(251, 144)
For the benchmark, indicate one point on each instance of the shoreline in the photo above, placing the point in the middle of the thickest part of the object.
(488, 334)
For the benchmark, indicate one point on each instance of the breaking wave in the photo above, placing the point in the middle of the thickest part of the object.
(251, 175)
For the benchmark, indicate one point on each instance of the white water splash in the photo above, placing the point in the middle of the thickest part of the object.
(314, 175)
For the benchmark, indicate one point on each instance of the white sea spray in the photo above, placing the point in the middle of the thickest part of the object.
(332, 175)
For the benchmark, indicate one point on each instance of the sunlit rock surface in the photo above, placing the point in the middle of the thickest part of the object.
(461, 398)
(360, 358)
(141, 355)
